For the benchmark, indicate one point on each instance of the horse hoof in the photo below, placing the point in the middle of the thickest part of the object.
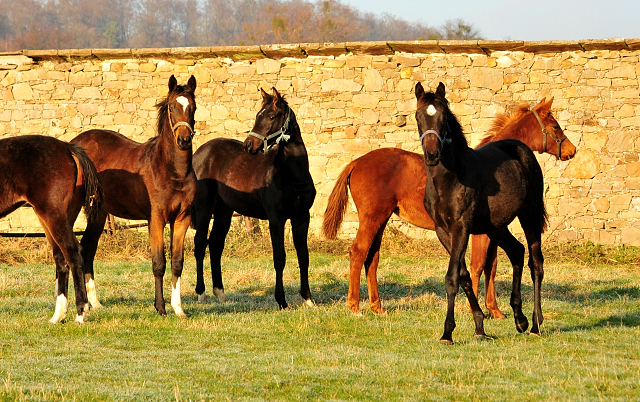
(219, 293)
(96, 305)
(536, 334)
(497, 315)
(80, 319)
(309, 303)
(203, 298)
(447, 342)
(522, 326)
(379, 311)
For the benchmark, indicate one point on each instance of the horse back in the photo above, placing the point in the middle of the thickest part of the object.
(511, 182)
(36, 169)
(390, 180)
(125, 170)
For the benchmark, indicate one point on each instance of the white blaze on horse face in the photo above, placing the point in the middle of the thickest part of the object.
(61, 309)
(431, 110)
(183, 101)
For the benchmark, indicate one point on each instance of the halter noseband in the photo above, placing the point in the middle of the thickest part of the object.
(546, 133)
(443, 138)
(280, 134)
(174, 127)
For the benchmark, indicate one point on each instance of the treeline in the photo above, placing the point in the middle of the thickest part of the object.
(72, 24)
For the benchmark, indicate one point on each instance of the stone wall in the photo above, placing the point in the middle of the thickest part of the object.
(351, 98)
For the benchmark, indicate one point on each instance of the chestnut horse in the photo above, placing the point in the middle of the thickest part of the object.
(153, 181)
(391, 180)
(480, 192)
(275, 185)
(57, 179)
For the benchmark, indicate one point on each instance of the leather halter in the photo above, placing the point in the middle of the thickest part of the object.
(174, 127)
(546, 133)
(443, 138)
(280, 134)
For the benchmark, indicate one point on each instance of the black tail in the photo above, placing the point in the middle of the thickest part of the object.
(91, 182)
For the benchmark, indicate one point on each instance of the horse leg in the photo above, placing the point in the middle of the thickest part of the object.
(358, 253)
(276, 229)
(536, 262)
(219, 230)
(299, 232)
(202, 216)
(178, 231)
(457, 275)
(484, 258)
(490, 268)
(66, 253)
(371, 271)
(88, 249)
(515, 251)
(158, 259)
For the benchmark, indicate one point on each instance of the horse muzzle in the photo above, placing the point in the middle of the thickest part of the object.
(250, 145)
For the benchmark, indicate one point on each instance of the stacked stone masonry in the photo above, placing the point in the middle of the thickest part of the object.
(351, 98)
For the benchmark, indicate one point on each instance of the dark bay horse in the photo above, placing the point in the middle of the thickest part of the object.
(153, 181)
(390, 180)
(480, 191)
(274, 184)
(57, 179)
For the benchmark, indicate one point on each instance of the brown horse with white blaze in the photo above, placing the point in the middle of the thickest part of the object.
(153, 181)
(390, 180)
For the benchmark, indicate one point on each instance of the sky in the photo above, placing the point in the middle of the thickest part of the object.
(530, 20)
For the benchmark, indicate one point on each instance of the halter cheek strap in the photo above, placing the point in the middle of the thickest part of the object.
(546, 133)
(174, 127)
(281, 135)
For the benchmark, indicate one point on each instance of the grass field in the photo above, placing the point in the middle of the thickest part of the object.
(248, 350)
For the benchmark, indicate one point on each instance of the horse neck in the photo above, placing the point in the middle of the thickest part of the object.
(292, 158)
(179, 161)
(525, 129)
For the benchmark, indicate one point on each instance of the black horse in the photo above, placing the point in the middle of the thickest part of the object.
(480, 191)
(273, 185)
(57, 179)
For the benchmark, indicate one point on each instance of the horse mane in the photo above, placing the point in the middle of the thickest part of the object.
(163, 105)
(502, 120)
(453, 124)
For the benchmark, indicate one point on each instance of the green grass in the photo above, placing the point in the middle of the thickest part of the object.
(248, 350)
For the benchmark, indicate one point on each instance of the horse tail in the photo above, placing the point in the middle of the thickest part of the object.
(337, 204)
(91, 182)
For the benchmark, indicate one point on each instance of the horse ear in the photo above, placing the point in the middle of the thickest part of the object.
(543, 106)
(440, 91)
(173, 83)
(550, 102)
(276, 95)
(191, 84)
(263, 93)
(419, 91)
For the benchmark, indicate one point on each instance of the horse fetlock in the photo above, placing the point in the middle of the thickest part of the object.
(219, 293)
(62, 305)
(354, 306)
(80, 319)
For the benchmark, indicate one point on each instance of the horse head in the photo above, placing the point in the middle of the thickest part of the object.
(272, 124)
(431, 116)
(177, 112)
(551, 130)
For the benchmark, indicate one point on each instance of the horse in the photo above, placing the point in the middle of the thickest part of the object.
(391, 180)
(275, 185)
(480, 191)
(57, 179)
(152, 181)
